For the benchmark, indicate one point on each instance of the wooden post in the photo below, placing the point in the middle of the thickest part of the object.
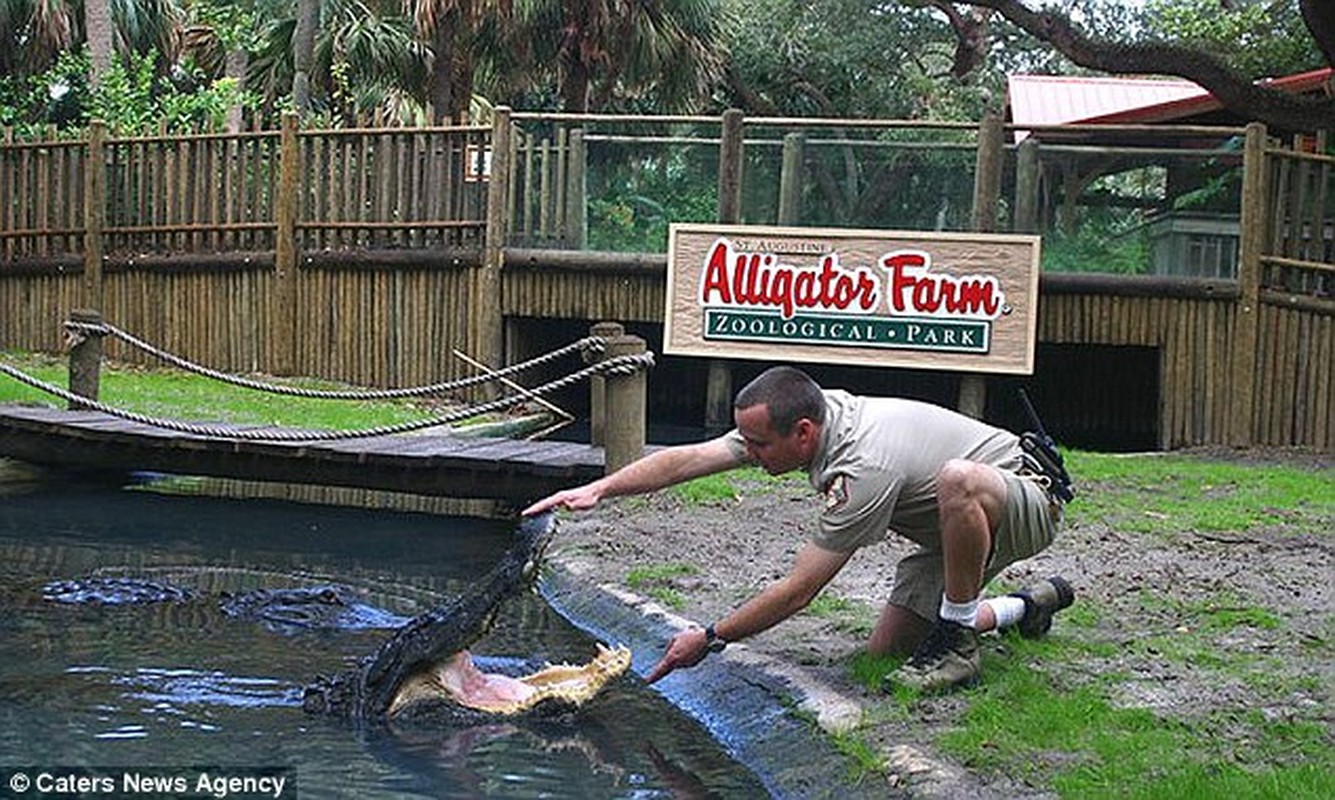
(718, 388)
(972, 398)
(1027, 186)
(625, 414)
(987, 173)
(1245, 335)
(577, 224)
(85, 367)
(598, 385)
(730, 168)
(790, 179)
(486, 333)
(286, 204)
(94, 212)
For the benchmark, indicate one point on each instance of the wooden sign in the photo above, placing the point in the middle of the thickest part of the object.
(957, 301)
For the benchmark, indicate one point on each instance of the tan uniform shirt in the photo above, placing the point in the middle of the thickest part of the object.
(877, 465)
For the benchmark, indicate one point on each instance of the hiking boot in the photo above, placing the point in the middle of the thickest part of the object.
(1041, 601)
(947, 658)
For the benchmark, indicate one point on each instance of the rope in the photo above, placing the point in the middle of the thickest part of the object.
(586, 345)
(617, 365)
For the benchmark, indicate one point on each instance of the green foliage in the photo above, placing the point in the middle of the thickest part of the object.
(55, 97)
(844, 58)
(134, 100)
(1108, 242)
(1258, 38)
(633, 201)
(134, 97)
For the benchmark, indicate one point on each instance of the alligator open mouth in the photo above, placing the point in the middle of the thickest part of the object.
(556, 688)
(425, 671)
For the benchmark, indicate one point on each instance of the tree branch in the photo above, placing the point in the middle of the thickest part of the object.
(1251, 101)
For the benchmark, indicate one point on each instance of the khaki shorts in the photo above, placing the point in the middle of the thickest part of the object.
(1028, 526)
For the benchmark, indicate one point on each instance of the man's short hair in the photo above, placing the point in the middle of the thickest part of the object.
(789, 393)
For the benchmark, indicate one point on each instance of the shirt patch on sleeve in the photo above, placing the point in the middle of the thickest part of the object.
(836, 492)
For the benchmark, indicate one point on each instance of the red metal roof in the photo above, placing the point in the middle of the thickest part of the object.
(1062, 99)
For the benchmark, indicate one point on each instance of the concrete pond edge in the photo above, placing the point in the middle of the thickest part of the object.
(760, 710)
(773, 717)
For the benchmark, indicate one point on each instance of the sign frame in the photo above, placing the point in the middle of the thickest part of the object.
(938, 300)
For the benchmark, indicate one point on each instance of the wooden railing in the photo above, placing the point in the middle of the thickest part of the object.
(362, 254)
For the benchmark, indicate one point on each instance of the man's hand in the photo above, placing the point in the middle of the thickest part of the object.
(578, 499)
(686, 649)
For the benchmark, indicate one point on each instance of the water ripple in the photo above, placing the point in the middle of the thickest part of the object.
(169, 688)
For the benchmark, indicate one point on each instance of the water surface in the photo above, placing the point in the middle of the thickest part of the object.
(174, 684)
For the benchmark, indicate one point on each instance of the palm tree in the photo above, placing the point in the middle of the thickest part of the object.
(33, 34)
(604, 51)
(303, 49)
(98, 25)
(458, 33)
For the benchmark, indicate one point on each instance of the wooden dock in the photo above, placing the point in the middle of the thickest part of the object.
(419, 463)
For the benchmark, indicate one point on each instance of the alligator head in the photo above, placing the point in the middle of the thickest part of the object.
(425, 670)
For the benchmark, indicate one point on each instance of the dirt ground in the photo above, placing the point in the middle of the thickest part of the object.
(738, 546)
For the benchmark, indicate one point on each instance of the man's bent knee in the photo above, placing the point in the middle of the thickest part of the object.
(963, 484)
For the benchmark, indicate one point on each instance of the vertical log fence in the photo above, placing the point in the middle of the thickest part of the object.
(367, 254)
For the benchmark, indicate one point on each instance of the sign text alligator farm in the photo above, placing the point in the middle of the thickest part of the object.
(960, 301)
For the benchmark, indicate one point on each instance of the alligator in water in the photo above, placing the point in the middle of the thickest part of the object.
(425, 672)
(282, 610)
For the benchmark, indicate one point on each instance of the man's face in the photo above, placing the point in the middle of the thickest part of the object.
(776, 453)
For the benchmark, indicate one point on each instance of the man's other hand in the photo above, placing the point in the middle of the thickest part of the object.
(686, 649)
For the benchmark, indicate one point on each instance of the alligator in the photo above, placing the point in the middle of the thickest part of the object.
(425, 673)
(287, 610)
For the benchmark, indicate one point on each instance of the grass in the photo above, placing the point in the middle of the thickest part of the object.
(1149, 494)
(657, 582)
(729, 486)
(1022, 721)
(181, 395)
(1050, 714)
(846, 615)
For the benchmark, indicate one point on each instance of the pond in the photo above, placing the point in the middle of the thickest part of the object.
(177, 684)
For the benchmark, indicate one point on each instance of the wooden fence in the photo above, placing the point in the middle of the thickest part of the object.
(370, 255)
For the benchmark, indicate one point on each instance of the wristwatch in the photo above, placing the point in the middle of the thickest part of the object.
(712, 640)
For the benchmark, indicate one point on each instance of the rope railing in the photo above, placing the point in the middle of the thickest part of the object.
(587, 345)
(616, 365)
(79, 332)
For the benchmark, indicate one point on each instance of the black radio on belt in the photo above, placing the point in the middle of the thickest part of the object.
(1043, 455)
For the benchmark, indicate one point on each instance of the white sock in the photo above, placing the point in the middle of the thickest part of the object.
(1008, 610)
(964, 613)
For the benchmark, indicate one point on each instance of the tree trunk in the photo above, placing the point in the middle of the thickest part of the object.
(97, 22)
(440, 88)
(303, 53)
(237, 61)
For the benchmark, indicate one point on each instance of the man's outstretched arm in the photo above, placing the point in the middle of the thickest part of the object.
(661, 468)
(811, 570)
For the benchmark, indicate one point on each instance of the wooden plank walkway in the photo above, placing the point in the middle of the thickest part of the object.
(420, 463)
